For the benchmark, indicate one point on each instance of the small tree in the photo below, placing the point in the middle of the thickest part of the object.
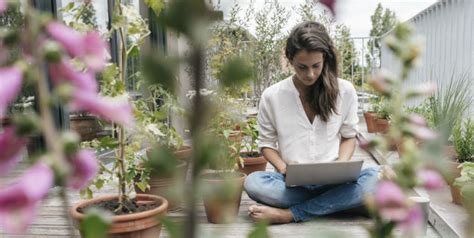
(382, 22)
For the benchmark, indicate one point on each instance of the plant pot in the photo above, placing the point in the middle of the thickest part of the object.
(183, 153)
(222, 201)
(137, 225)
(163, 185)
(370, 121)
(381, 125)
(252, 163)
(88, 127)
(455, 172)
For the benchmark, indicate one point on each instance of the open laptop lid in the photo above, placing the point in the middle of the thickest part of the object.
(335, 172)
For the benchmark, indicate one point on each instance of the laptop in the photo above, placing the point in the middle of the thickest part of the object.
(334, 172)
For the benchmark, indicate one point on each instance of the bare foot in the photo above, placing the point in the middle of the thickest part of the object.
(270, 214)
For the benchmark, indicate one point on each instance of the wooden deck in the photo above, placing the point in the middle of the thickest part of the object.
(51, 222)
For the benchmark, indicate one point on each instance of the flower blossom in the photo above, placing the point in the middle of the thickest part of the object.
(10, 85)
(65, 72)
(117, 109)
(10, 148)
(18, 202)
(3, 6)
(89, 47)
(430, 179)
(391, 201)
(85, 167)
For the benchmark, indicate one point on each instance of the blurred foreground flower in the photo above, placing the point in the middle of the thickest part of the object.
(3, 5)
(430, 179)
(117, 109)
(390, 201)
(90, 48)
(18, 202)
(11, 78)
(10, 148)
(65, 72)
(85, 168)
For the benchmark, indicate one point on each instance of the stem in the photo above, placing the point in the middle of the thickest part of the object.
(50, 132)
(196, 127)
(122, 134)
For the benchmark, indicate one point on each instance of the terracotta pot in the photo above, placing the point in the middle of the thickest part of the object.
(381, 125)
(183, 153)
(370, 121)
(137, 225)
(235, 136)
(450, 152)
(252, 164)
(222, 202)
(454, 172)
(87, 127)
(162, 185)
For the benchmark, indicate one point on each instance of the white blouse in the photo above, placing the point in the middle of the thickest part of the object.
(284, 126)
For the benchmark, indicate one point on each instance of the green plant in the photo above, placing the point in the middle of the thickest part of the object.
(250, 130)
(424, 110)
(449, 103)
(463, 138)
(379, 106)
(467, 175)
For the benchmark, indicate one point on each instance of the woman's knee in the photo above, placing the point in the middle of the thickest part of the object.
(254, 183)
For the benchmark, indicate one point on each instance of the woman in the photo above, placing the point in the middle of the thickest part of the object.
(312, 117)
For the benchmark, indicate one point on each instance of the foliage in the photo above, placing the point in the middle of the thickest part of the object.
(382, 22)
(250, 130)
(407, 131)
(424, 110)
(467, 175)
(348, 65)
(449, 103)
(379, 105)
(463, 138)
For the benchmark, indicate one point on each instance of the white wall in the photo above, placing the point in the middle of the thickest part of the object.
(447, 28)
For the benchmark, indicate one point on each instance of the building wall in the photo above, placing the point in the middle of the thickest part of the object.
(448, 31)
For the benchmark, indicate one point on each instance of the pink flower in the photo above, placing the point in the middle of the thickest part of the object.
(391, 201)
(118, 110)
(84, 166)
(90, 48)
(95, 51)
(10, 85)
(424, 133)
(417, 120)
(19, 201)
(413, 220)
(10, 148)
(330, 4)
(430, 179)
(70, 39)
(3, 6)
(65, 72)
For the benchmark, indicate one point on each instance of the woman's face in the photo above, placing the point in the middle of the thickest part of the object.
(308, 66)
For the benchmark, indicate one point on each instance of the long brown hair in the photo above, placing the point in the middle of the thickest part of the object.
(312, 36)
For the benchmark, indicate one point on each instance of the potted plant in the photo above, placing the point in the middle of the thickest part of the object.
(253, 160)
(134, 216)
(463, 139)
(377, 118)
(224, 183)
(164, 162)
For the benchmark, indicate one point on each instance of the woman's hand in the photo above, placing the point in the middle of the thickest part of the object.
(282, 170)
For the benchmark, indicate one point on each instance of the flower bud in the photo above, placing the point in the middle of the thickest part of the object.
(52, 51)
(71, 142)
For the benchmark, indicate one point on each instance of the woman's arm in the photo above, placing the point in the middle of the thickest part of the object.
(274, 158)
(346, 148)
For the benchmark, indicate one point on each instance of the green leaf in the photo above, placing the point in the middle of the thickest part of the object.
(134, 51)
(155, 5)
(99, 183)
(174, 229)
(161, 70)
(236, 72)
(67, 8)
(259, 231)
(96, 224)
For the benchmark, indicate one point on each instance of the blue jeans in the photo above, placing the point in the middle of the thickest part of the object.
(307, 202)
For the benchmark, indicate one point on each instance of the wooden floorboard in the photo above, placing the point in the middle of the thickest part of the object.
(51, 221)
